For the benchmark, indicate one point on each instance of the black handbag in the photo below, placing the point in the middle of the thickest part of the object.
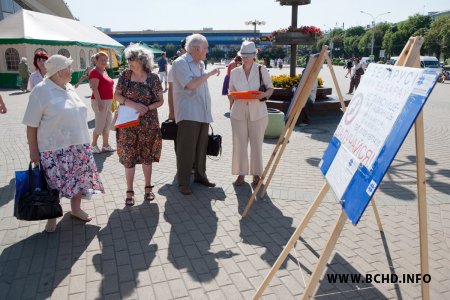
(214, 144)
(40, 203)
(169, 130)
(262, 86)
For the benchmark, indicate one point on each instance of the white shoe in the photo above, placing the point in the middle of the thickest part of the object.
(108, 149)
(96, 149)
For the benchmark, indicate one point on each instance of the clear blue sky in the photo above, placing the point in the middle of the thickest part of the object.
(136, 15)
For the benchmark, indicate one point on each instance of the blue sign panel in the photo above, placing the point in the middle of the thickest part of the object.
(374, 126)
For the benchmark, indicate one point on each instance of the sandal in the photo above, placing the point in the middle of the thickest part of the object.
(129, 200)
(149, 196)
(81, 215)
(240, 180)
(256, 179)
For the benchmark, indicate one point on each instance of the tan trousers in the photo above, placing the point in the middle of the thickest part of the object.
(245, 131)
(102, 118)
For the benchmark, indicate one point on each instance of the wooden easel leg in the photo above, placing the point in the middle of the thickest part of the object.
(422, 203)
(336, 84)
(377, 216)
(294, 238)
(325, 255)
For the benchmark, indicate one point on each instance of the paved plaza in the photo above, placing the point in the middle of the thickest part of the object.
(197, 246)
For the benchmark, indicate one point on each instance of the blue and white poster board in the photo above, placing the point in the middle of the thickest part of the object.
(374, 126)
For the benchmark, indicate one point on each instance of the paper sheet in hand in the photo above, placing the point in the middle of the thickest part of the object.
(128, 117)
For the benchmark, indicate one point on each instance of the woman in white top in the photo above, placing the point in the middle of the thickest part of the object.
(248, 118)
(40, 57)
(58, 137)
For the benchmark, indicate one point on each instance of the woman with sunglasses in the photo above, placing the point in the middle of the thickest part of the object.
(141, 90)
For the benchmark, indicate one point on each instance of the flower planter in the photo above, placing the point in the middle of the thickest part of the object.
(294, 38)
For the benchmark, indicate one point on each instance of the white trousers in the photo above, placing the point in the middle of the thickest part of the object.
(243, 132)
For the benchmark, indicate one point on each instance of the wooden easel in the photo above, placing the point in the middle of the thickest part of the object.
(300, 99)
(409, 57)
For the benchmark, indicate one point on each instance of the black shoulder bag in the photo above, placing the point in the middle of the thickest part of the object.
(262, 86)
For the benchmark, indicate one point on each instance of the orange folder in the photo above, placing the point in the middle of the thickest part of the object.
(127, 117)
(245, 95)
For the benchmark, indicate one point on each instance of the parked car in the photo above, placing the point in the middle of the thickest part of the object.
(425, 62)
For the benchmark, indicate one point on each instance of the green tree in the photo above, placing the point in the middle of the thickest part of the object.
(437, 39)
(216, 54)
(170, 50)
(232, 52)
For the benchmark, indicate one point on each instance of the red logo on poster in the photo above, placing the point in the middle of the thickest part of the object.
(354, 109)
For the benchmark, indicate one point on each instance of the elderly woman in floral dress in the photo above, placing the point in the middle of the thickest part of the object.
(141, 90)
(58, 137)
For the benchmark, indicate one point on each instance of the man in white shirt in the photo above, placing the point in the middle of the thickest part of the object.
(192, 108)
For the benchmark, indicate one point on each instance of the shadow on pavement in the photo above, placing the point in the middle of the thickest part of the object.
(7, 192)
(193, 228)
(345, 290)
(39, 263)
(100, 159)
(264, 226)
(125, 248)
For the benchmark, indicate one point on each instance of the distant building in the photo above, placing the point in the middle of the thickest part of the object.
(103, 29)
(223, 39)
(436, 14)
(54, 7)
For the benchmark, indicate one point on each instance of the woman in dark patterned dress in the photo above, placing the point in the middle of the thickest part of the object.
(140, 89)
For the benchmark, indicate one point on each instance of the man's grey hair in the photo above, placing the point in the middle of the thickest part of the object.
(141, 54)
(23, 60)
(194, 40)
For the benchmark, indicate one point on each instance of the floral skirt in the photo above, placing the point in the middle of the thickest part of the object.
(71, 170)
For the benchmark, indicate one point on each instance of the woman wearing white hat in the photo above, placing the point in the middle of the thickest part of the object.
(58, 137)
(248, 118)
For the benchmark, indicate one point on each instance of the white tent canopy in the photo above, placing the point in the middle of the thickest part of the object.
(36, 28)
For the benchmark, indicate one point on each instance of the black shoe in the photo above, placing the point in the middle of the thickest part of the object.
(205, 182)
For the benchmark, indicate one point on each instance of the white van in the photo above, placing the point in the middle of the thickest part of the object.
(425, 62)
(429, 62)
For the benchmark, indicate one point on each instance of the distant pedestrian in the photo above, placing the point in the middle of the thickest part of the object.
(280, 63)
(162, 64)
(357, 72)
(349, 66)
(24, 73)
(40, 57)
(236, 62)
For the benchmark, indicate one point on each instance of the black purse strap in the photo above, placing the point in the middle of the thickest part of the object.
(260, 76)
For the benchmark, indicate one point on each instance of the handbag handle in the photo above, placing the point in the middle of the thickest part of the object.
(212, 130)
(31, 177)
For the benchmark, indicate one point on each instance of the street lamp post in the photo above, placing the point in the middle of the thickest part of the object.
(374, 19)
(254, 23)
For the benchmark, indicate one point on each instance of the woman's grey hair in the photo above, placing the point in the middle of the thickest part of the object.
(141, 54)
(23, 59)
(194, 40)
